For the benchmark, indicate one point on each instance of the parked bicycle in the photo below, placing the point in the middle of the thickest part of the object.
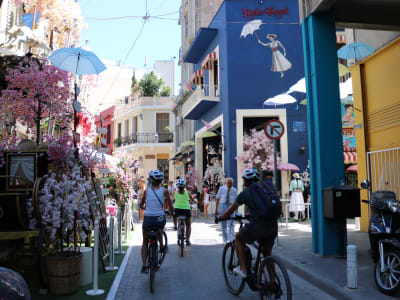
(181, 233)
(267, 275)
(154, 261)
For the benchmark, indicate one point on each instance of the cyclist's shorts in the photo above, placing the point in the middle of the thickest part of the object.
(250, 233)
(183, 212)
(150, 221)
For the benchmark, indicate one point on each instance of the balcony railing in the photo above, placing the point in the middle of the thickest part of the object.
(203, 92)
(147, 138)
(142, 101)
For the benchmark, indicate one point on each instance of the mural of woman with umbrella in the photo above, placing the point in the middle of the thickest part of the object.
(279, 62)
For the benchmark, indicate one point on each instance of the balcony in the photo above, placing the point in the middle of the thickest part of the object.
(146, 138)
(202, 99)
(142, 102)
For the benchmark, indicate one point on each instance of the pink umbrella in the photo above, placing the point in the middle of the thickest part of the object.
(352, 168)
(288, 167)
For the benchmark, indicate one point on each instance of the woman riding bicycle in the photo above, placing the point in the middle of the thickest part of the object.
(154, 216)
(182, 207)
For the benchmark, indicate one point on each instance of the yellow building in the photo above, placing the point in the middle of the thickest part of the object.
(142, 132)
(376, 91)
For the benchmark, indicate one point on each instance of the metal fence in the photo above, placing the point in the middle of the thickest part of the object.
(148, 138)
(384, 170)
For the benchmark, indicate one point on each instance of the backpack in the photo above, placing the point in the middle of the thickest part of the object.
(268, 204)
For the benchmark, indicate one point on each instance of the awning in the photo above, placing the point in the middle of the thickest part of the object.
(197, 77)
(350, 157)
(209, 61)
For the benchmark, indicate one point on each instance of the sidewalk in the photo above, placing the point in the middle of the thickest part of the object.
(328, 273)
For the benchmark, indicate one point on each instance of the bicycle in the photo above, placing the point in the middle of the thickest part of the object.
(181, 233)
(153, 261)
(267, 275)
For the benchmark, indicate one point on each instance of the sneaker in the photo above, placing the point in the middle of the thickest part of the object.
(188, 243)
(145, 270)
(239, 272)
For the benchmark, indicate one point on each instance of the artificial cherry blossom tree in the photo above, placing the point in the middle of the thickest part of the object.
(258, 151)
(36, 90)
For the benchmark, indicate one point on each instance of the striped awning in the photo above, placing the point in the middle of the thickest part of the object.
(209, 61)
(197, 77)
(350, 157)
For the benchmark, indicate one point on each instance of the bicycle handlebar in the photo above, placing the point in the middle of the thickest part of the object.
(237, 217)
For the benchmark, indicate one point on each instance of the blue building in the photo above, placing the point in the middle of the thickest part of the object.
(251, 52)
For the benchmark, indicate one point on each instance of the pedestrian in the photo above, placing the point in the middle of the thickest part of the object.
(206, 201)
(296, 206)
(225, 197)
(140, 192)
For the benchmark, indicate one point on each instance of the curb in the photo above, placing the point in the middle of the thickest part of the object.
(324, 285)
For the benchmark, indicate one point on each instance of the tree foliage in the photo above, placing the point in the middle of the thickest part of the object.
(150, 85)
(165, 91)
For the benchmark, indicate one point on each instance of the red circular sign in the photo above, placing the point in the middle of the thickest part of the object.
(274, 129)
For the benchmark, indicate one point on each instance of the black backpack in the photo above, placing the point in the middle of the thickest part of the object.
(266, 200)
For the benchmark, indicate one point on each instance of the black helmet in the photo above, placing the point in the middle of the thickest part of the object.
(251, 174)
(156, 175)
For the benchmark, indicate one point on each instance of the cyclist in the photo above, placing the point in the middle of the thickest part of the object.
(259, 229)
(153, 200)
(183, 199)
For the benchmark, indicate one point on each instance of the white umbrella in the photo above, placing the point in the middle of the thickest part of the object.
(280, 99)
(299, 86)
(250, 27)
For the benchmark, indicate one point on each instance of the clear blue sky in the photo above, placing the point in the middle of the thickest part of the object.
(112, 39)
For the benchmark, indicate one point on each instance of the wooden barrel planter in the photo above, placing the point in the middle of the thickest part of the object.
(63, 272)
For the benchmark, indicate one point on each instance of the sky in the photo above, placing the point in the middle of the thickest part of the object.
(159, 39)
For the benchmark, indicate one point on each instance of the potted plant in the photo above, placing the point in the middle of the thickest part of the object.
(117, 141)
(64, 214)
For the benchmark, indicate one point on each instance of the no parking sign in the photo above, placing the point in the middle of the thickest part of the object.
(274, 129)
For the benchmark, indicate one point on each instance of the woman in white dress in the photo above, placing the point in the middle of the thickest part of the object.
(296, 199)
(279, 62)
(206, 201)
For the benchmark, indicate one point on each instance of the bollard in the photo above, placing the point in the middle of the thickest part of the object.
(95, 291)
(119, 251)
(352, 268)
(111, 267)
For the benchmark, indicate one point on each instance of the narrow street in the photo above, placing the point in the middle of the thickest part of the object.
(198, 275)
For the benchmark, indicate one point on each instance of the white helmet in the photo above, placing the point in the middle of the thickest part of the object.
(156, 175)
(181, 182)
(251, 174)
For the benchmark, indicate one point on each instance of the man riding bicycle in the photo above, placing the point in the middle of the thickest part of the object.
(183, 199)
(154, 216)
(262, 229)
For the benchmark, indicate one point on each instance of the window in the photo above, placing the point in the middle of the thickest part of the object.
(119, 130)
(186, 26)
(108, 134)
(162, 121)
(126, 127)
(134, 125)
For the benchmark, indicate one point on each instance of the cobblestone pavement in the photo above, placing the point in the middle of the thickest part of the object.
(197, 275)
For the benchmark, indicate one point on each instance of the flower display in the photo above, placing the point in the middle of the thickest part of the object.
(34, 92)
(258, 152)
(61, 151)
(8, 142)
(63, 202)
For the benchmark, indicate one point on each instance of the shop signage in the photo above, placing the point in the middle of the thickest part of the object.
(104, 171)
(105, 191)
(269, 11)
(77, 106)
(274, 129)
(104, 180)
(299, 126)
(101, 130)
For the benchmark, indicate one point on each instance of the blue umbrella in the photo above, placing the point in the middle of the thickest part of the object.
(355, 51)
(77, 61)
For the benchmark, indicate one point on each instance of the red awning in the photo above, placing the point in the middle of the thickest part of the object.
(197, 77)
(352, 168)
(209, 60)
(350, 157)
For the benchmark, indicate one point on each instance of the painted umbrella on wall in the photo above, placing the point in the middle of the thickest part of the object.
(250, 27)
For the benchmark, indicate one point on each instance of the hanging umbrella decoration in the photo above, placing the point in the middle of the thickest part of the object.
(288, 167)
(250, 27)
(357, 51)
(280, 99)
(79, 62)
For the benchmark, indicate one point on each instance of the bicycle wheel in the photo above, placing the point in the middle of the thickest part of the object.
(182, 237)
(162, 254)
(273, 280)
(152, 265)
(234, 282)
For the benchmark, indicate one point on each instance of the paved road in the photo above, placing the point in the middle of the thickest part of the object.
(198, 275)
